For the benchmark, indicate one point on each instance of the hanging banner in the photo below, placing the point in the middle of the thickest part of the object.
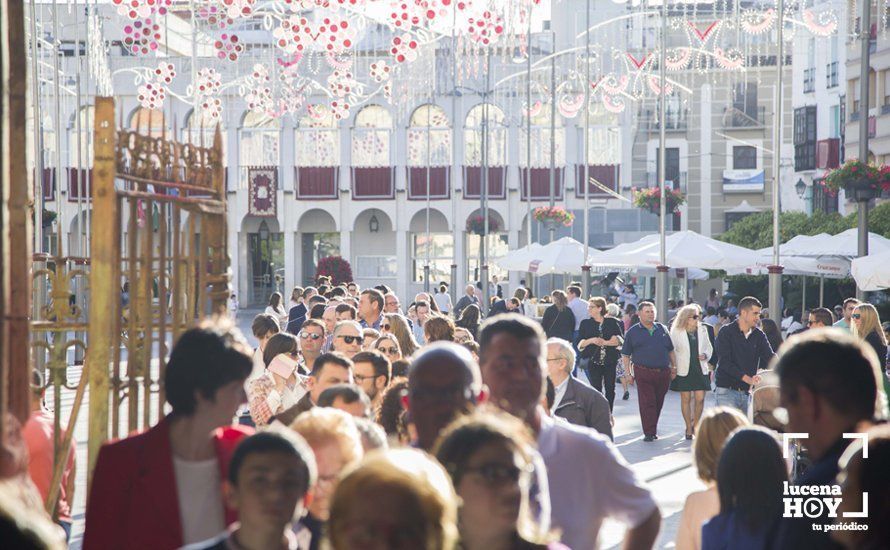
(263, 186)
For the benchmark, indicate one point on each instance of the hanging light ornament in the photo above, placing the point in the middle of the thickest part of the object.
(758, 22)
(822, 24)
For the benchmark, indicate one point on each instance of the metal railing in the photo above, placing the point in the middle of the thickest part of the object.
(737, 118)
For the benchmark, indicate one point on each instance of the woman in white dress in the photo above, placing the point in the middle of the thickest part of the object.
(277, 310)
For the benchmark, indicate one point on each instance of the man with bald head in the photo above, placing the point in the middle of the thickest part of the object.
(468, 298)
(347, 338)
(443, 382)
(330, 321)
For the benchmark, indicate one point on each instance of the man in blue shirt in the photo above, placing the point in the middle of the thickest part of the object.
(648, 355)
(743, 348)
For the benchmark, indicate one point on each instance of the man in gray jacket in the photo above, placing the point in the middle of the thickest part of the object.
(468, 298)
(575, 401)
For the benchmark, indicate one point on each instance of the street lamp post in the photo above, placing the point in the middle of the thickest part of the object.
(585, 269)
(865, 61)
(662, 268)
(775, 270)
(483, 196)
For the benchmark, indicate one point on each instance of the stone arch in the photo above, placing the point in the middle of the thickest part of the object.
(317, 220)
(438, 221)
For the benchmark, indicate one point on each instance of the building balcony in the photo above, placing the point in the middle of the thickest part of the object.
(497, 182)
(317, 182)
(608, 175)
(675, 121)
(734, 118)
(373, 183)
(432, 182)
(541, 183)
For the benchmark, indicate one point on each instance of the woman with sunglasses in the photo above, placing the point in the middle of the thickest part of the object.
(867, 326)
(280, 386)
(489, 458)
(388, 346)
(692, 348)
(397, 325)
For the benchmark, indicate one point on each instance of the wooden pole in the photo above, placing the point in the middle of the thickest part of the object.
(104, 277)
(16, 221)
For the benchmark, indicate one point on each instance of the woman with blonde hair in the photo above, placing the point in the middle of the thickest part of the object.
(337, 445)
(713, 429)
(867, 326)
(397, 325)
(388, 345)
(296, 297)
(692, 348)
(396, 499)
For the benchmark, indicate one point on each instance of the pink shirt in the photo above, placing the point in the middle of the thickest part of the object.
(38, 435)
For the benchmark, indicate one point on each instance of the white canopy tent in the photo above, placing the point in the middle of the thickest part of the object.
(565, 255)
(872, 272)
(683, 249)
(829, 266)
(844, 245)
(518, 259)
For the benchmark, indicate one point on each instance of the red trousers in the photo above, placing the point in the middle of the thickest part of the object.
(652, 386)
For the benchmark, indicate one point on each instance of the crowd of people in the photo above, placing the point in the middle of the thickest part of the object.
(350, 423)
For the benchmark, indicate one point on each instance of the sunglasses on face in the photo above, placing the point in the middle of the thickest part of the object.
(351, 339)
(496, 474)
(306, 335)
(388, 351)
(385, 327)
(856, 316)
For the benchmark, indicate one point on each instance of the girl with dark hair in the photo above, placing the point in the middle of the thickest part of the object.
(773, 334)
(750, 477)
(163, 488)
(280, 386)
(469, 319)
(559, 321)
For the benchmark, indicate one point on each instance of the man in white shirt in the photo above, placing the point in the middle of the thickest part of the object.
(589, 479)
(579, 309)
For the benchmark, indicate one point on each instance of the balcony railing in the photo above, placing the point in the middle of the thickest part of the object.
(736, 118)
(674, 120)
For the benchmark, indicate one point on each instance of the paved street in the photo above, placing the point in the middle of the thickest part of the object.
(664, 464)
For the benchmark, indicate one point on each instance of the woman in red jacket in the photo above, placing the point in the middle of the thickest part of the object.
(162, 489)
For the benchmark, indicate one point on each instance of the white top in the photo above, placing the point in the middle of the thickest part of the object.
(443, 300)
(559, 393)
(199, 489)
(579, 308)
(589, 481)
(280, 316)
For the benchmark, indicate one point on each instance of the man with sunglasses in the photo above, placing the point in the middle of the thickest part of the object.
(743, 349)
(347, 338)
(312, 340)
(819, 317)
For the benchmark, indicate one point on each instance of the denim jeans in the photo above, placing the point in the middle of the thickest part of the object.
(728, 397)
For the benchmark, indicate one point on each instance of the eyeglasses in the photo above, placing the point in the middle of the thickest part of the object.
(388, 351)
(305, 335)
(856, 316)
(385, 327)
(496, 474)
(351, 339)
(361, 378)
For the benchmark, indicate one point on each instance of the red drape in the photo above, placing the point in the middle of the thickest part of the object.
(607, 174)
(81, 188)
(497, 188)
(317, 182)
(372, 183)
(439, 176)
(540, 183)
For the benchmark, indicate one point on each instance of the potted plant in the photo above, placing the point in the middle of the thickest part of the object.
(650, 199)
(476, 225)
(552, 216)
(860, 180)
(335, 267)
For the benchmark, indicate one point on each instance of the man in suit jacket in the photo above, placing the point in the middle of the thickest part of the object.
(575, 401)
(468, 298)
(503, 306)
(297, 314)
